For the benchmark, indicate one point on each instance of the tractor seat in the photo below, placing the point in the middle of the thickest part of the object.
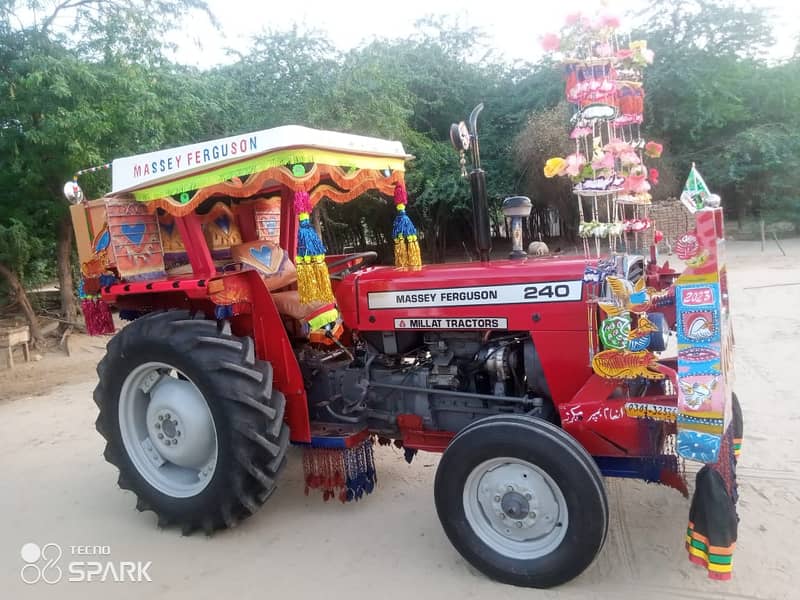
(269, 259)
(277, 271)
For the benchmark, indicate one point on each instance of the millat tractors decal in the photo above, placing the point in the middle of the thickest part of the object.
(518, 293)
(452, 323)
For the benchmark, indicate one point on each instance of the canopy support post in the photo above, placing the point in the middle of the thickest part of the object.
(196, 245)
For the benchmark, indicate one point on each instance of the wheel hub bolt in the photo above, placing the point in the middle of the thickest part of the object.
(497, 498)
(519, 524)
(158, 425)
(161, 436)
(510, 488)
(528, 496)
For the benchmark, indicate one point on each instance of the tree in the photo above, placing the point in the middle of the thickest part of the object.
(17, 251)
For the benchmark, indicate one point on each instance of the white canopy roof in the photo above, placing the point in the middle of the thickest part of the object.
(145, 170)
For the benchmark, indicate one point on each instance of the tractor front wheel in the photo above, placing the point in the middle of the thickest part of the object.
(190, 420)
(522, 501)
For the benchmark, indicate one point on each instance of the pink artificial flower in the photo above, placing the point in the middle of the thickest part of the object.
(636, 184)
(648, 56)
(603, 50)
(550, 42)
(629, 157)
(624, 53)
(604, 162)
(610, 21)
(653, 149)
(574, 18)
(653, 176)
(580, 132)
(617, 146)
(575, 163)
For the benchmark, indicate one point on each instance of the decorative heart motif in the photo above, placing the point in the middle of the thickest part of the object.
(102, 242)
(223, 223)
(262, 255)
(134, 232)
(700, 329)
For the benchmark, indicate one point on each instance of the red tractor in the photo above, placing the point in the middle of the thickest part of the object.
(225, 363)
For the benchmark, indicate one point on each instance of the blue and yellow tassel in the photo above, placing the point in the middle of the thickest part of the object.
(406, 242)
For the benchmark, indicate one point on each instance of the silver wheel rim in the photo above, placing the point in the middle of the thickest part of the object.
(515, 508)
(168, 430)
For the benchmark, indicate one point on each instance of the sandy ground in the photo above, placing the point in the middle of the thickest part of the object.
(57, 488)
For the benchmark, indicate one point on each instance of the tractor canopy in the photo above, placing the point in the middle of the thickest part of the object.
(328, 164)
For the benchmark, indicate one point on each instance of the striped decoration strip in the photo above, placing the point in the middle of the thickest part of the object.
(717, 559)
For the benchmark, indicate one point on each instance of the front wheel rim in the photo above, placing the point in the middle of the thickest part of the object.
(515, 508)
(168, 430)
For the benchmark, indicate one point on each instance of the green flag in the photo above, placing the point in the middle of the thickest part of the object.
(695, 191)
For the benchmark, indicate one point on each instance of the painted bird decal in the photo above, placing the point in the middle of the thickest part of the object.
(695, 394)
(629, 297)
(639, 338)
(619, 364)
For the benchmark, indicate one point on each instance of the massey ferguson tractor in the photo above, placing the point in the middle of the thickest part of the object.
(245, 337)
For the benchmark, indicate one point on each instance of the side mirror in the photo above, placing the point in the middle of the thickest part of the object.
(459, 136)
(73, 192)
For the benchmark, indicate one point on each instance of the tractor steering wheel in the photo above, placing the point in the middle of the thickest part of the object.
(349, 263)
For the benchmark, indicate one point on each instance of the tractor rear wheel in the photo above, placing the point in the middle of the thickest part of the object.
(522, 501)
(190, 420)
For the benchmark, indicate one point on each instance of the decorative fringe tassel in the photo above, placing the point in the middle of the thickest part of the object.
(343, 473)
(313, 280)
(406, 243)
(97, 316)
(713, 522)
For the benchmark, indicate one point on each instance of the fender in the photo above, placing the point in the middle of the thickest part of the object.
(273, 345)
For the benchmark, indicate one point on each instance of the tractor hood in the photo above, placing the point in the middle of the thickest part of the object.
(518, 295)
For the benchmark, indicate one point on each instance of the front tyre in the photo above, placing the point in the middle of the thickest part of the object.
(522, 501)
(190, 420)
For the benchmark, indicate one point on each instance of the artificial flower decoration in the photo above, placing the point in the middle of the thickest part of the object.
(580, 132)
(617, 146)
(603, 161)
(653, 176)
(550, 42)
(575, 163)
(653, 149)
(636, 182)
(642, 55)
(629, 157)
(610, 21)
(554, 166)
(574, 18)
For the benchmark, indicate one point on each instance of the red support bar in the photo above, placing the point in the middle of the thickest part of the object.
(288, 223)
(196, 246)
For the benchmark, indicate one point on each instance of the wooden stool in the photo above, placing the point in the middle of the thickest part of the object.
(15, 336)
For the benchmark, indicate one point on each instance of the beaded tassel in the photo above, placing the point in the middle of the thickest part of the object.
(313, 280)
(406, 243)
(344, 473)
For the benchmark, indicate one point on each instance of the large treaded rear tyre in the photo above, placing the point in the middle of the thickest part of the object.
(230, 392)
(521, 501)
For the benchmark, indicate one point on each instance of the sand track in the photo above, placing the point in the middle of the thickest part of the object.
(57, 488)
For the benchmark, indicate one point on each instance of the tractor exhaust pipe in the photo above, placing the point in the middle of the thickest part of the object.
(464, 138)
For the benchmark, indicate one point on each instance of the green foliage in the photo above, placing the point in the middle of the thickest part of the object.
(89, 80)
(715, 102)
(21, 252)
